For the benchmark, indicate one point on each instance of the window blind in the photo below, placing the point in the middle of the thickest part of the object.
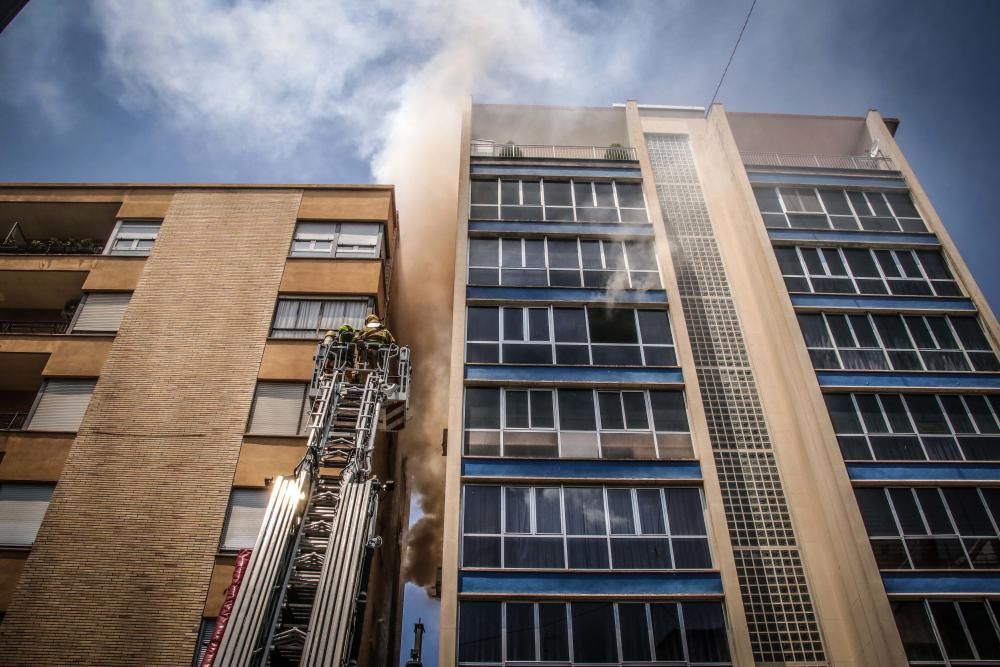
(246, 513)
(101, 312)
(22, 507)
(278, 408)
(61, 405)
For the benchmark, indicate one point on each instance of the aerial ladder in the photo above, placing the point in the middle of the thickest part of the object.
(301, 600)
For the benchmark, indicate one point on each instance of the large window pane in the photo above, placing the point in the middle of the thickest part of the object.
(584, 511)
(634, 631)
(650, 512)
(876, 512)
(517, 509)
(684, 511)
(594, 632)
(620, 512)
(520, 631)
(479, 632)
(915, 630)
(612, 325)
(705, 629)
(576, 410)
(482, 407)
(553, 631)
(667, 641)
(669, 413)
(548, 517)
(481, 513)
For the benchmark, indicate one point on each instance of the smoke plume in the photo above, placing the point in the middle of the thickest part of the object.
(386, 81)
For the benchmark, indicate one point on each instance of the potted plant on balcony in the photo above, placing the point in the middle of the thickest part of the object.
(510, 150)
(617, 152)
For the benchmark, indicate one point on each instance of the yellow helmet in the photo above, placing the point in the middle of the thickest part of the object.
(372, 322)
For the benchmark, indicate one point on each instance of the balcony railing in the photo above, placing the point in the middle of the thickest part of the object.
(40, 327)
(535, 152)
(15, 243)
(12, 421)
(877, 163)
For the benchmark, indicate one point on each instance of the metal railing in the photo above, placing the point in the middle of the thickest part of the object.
(534, 151)
(876, 163)
(40, 327)
(12, 421)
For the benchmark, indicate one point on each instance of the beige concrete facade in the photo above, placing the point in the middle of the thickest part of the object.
(164, 441)
(853, 614)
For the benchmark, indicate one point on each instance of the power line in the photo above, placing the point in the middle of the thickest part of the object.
(735, 46)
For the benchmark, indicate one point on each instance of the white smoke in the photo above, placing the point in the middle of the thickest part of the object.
(268, 78)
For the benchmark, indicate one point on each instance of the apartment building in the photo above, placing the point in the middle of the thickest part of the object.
(155, 344)
(723, 392)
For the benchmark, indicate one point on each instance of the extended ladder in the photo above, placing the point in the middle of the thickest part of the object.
(304, 591)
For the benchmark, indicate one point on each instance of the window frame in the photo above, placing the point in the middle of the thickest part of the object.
(630, 275)
(608, 536)
(680, 607)
(318, 332)
(116, 235)
(574, 206)
(335, 251)
(553, 344)
(886, 281)
(904, 320)
(556, 429)
(854, 215)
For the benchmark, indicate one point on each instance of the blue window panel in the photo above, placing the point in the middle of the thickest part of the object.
(912, 583)
(760, 177)
(568, 374)
(908, 380)
(597, 583)
(487, 169)
(957, 304)
(924, 472)
(564, 295)
(580, 469)
(616, 229)
(835, 236)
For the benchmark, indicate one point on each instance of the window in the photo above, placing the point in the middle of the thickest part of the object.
(337, 239)
(570, 200)
(133, 238)
(279, 408)
(563, 262)
(205, 633)
(312, 318)
(927, 528)
(916, 427)
(244, 518)
(897, 342)
(866, 271)
(22, 508)
(60, 405)
(101, 312)
(582, 633)
(934, 630)
(837, 208)
(569, 336)
(576, 423)
(591, 528)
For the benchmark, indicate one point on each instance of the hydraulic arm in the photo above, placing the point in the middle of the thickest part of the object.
(302, 597)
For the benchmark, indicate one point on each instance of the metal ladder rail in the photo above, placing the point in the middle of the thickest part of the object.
(323, 410)
(329, 638)
(249, 616)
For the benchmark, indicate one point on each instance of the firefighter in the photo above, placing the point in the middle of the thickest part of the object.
(371, 337)
(375, 332)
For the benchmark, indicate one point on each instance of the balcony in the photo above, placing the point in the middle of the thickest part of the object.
(15, 243)
(39, 302)
(613, 153)
(56, 228)
(801, 161)
(18, 387)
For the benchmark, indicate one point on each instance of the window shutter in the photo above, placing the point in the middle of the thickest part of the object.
(61, 405)
(246, 514)
(204, 637)
(101, 312)
(359, 239)
(277, 408)
(22, 507)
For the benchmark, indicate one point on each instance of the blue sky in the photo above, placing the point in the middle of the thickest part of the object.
(333, 92)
